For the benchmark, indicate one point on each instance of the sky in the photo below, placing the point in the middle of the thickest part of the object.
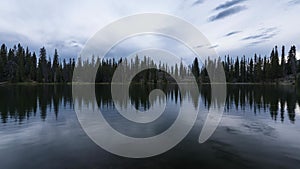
(234, 27)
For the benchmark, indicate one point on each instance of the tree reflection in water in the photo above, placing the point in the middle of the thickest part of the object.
(20, 102)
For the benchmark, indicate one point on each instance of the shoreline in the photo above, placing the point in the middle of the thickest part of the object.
(106, 83)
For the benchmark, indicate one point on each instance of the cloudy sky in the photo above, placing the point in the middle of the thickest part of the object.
(234, 27)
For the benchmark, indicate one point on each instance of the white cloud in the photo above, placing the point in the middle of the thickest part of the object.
(68, 24)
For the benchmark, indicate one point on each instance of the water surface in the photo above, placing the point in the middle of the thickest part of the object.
(260, 128)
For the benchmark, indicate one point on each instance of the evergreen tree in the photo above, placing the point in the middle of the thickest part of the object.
(33, 67)
(283, 62)
(17, 65)
(3, 62)
(258, 69)
(55, 67)
(28, 63)
(292, 61)
(275, 67)
(243, 69)
(10, 70)
(1, 69)
(20, 61)
(251, 70)
(181, 70)
(176, 70)
(237, 69)
(195, 68)
(42, 66)
(49, 77)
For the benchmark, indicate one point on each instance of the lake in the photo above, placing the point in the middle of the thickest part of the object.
(260, 128)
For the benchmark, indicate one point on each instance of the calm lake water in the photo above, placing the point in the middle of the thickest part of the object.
(260, 128)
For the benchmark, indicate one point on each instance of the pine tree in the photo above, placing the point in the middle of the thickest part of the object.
(33, 67)
(243, 69)
(283, 62)
(251, 70)
(28, 63)
(176, 70)
(55, 67)
(1, 70)
(42, 66)
(292, 61)
(274, 67)
(195, 68)
(266, 69)
(65, 73)
(3, 62)
(258, 69)
(17, 65)
(11, 67)
(237, 69)
(181, 70)
(49, 74)
(20, 60)
(74, 64)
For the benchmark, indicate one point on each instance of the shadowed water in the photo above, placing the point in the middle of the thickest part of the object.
(260, 128)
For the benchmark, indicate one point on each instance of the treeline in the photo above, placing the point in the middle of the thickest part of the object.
(257, 69)
(18, 64)
(159, 72)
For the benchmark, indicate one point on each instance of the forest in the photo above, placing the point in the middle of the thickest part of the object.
(19, 64)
